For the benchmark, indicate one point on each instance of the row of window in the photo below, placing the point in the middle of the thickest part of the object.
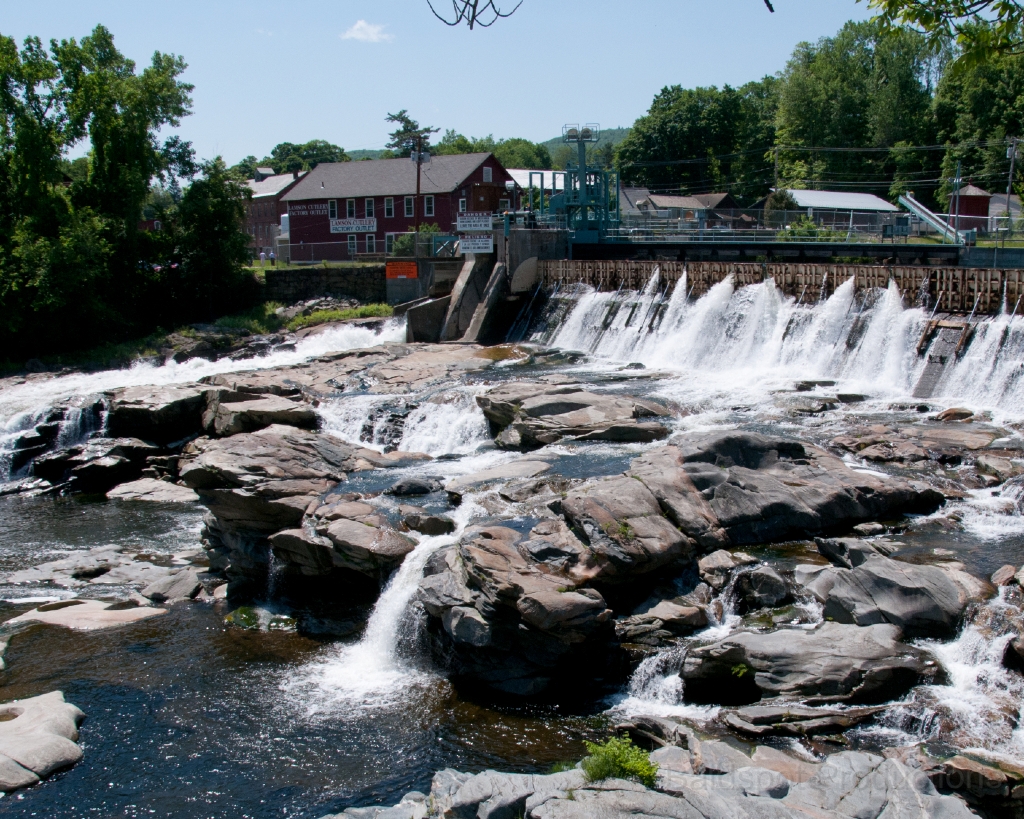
(369, 211)
(262, 209)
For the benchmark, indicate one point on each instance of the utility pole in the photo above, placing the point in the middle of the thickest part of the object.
(776, 167)
(419, 162)
(957, 183)
(1011, 152)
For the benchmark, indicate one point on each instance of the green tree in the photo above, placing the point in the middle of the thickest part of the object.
(288, 157)
(521, 153)
(979, 29)
(408, 136)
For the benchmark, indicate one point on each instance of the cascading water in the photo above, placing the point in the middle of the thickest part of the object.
(748, 341)
(381, 667)
(44, 392)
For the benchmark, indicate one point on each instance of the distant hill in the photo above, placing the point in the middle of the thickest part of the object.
(364, 154)
(608, 135)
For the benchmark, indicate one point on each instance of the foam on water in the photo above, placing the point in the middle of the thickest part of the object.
(43, 392)
(740, 344)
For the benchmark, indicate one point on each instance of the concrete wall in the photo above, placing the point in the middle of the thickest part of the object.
(367, 284)
(992, 257)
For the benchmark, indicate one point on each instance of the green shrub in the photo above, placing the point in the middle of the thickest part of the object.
(324, 316)
(619, 758)
(261, 319)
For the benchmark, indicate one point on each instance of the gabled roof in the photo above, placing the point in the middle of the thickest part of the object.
(272, 185)
(841, 200)
(970, 190)
(661, 201)
(717, 200)
(385, 177)
(997, 205)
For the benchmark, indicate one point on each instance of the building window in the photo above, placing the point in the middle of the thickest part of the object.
(351, 245)
(428, 205)
(389, 243)
(488, 175)
(462, 206)
(502, 205)
(332, 209)
(410, 210)
(389, 208)
(371, 243)
(350, 208)
(369, 209)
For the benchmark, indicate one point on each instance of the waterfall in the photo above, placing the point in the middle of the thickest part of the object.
(981, 704)
(749, 341)
(381, 668)
(44, 392)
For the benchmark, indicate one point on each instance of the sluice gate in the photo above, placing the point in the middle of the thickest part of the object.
(944, 289)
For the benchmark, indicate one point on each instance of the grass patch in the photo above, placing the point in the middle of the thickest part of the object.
(325, 316)
(619, 758)
(260, 320)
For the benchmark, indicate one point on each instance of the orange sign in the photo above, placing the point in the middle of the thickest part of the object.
(402, 270)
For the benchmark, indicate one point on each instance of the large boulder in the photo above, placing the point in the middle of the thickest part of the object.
(529, 415)
(161, 414)
(38, 736)
(511, 612)
(96, 465)
(723, 488)
(224, 418)
(834, 662)
(923, 601)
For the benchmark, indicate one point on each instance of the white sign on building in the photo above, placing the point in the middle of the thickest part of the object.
(471, 221)
(353, 225)
(479, 243)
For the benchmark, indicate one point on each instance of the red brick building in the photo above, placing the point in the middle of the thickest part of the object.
(264, 211)
(343, 210)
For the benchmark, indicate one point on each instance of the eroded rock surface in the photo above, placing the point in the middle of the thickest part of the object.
(39, 740)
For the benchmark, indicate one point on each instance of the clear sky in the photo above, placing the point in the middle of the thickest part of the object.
(267, 72)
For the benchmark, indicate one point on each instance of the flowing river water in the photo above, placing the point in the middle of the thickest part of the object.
(188, 717)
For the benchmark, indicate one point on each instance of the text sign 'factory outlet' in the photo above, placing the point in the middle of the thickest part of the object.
(353, 225)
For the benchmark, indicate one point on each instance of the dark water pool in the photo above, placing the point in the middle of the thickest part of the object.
(187, 718)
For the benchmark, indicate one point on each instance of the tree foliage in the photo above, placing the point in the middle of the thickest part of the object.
(873, 108)
(979, 29)
(75, 269)
(512, 153)
(288, 157)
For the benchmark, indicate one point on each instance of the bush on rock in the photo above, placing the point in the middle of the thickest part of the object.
(619, 758)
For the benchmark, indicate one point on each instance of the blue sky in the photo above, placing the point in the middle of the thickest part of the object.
(267, 72)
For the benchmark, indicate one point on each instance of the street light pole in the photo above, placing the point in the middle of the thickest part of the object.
(1012, 151)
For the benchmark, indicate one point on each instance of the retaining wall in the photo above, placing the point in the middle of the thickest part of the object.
(367, 284)
(955, 289)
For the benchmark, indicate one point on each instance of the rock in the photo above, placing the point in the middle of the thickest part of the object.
(955, 414)
(1002, 469)
(735, 488)
(96, 465)
(529, 415)
(431, 525)
(161, 414)
(717, 757)
(1005, 575)
(762, 587)
(85, 615)
(672, 758)
(39, 740)
(182, 585)
(793, 769)
(847, 552)
(149, 489)
(756, 780)
(415, 486)
(99, 566)
(672, 616)
(363, 547)
(467, 625)
(224, 418)
(788, 719)
(832, 663)
(923, 601)
(716, 568)
(515, 469)
(622, 525)
(869, 529)
(493, 795)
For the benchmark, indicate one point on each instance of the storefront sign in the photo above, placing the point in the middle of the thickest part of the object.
(353, 225)
(402, 270)
(479, 243)
(470, 221)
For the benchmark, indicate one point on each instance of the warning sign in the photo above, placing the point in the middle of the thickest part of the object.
(402, 270)
(470, 221)
(477, 243)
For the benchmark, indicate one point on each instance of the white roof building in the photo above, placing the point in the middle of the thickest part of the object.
(842, 200)
(522, 178)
